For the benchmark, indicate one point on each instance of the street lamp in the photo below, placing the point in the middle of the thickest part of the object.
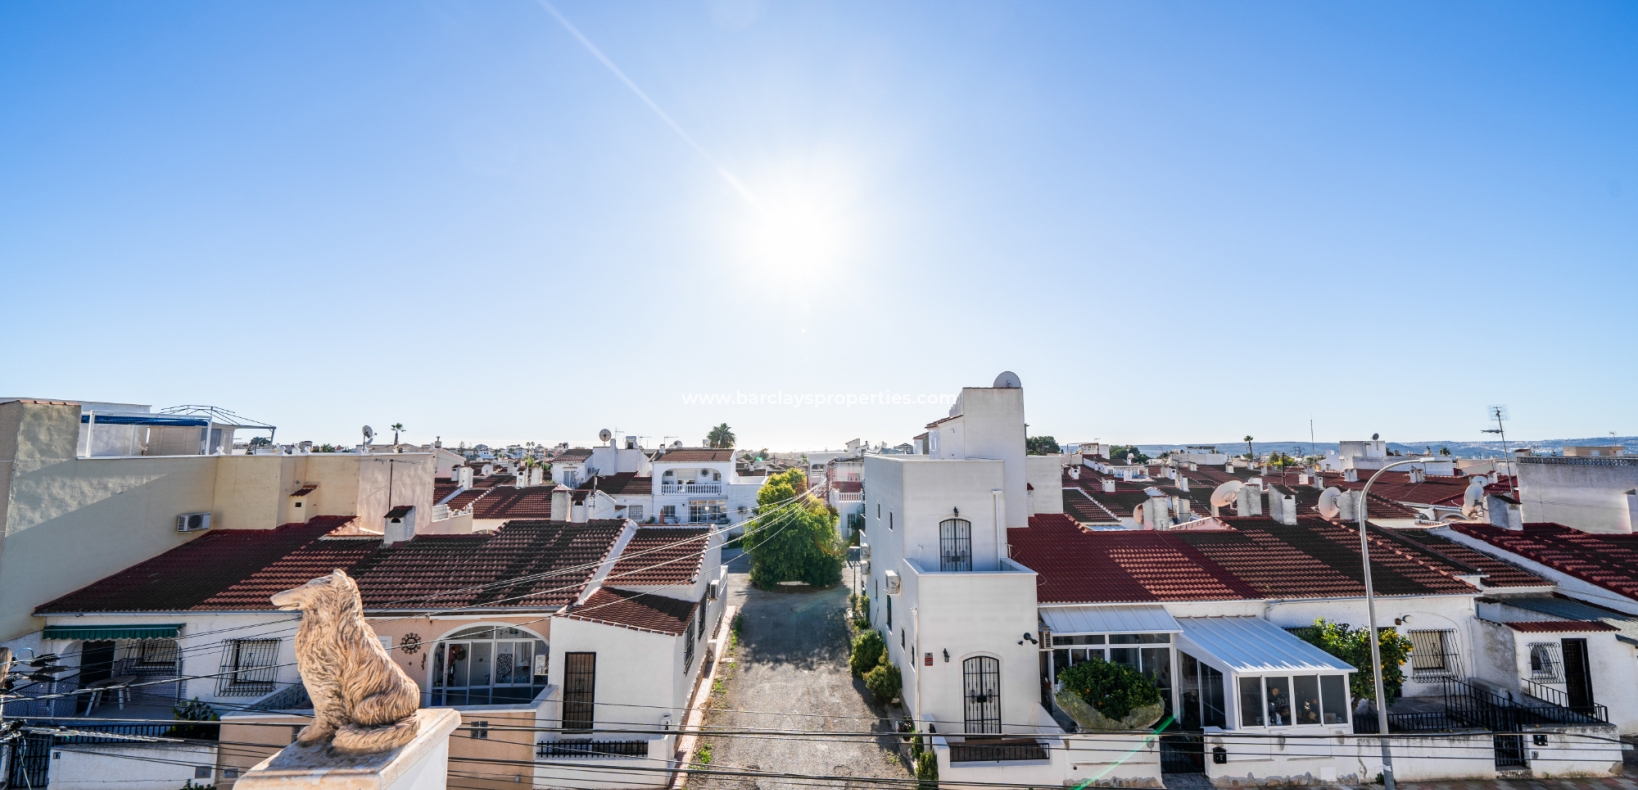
(1370, 613)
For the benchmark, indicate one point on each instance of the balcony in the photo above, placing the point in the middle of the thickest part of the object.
(691, 488)
(847, 496)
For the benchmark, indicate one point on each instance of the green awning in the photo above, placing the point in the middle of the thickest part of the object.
(101, 632)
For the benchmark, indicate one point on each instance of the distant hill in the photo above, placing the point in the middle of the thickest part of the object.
(1458, 449)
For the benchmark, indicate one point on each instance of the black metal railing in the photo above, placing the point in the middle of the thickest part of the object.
(1477, 707)
(1553, 696)
(592, 749)
(979, 752)
(1407, 722)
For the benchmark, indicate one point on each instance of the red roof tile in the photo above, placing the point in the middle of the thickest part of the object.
(660, 557)
(642, 611)
(624, 483)
(467, 497)
(1080, 566)
(508, 503)
(1609, 561)
(695, 454)
(522, 565)
(1559, 626)
(1315, 559)
(1497, 572)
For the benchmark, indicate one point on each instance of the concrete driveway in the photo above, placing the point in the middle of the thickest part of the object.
(792, 669)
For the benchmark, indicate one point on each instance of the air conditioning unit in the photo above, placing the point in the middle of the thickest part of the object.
(893, 582)
(864, 551)
(193, 522)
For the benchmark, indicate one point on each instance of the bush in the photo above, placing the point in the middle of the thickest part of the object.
(1353, 645)
(867, 653)
(861, 611)
(1112, 689)
(884, 681)
(927, 770)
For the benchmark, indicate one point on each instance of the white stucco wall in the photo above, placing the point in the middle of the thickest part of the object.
(1589, 494)
(147, 767)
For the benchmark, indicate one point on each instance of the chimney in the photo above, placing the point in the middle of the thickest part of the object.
(1183, 483)
(1345, 506)
(399, 525)
(1248, 502)
(1183, 508)
(1194, 467)
(1418, 474)
(463, 477)
(1074, 473)
(1288, 509)
(1350, 474)
(562, 502)
(1108, 485)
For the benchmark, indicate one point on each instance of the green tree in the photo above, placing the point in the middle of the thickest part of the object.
(1353, 645)
(793, 537)
(1040, 445)
(721, 437)
(1251, 453)
(1444, 451)
(395, 428)
(1128, 453)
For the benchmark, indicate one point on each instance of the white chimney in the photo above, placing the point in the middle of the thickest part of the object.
(463, 477)
(1345, 506)
(1288, 509)
(1350, 474)
(562, 502)
(1074, 473)
(1418, 474)
(399, 526)
(1183, 483)
(1248, 502)
(1108, 485)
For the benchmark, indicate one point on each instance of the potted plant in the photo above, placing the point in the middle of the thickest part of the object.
(1100, 695)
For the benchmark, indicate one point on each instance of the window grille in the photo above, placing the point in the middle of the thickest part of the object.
(955, 545)
(579, 690)
(248, 667)
(1546, 662)
(1433, 654)
(688, 650)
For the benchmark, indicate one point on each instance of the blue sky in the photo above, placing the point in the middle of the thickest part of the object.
(1175, 221)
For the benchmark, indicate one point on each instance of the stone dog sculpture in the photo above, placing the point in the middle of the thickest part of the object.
(361, 698)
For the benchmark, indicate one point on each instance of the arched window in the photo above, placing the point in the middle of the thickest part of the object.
(955, 545)
(981, 676)
(488, 665)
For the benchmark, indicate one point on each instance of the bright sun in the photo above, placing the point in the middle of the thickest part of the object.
(800, 229)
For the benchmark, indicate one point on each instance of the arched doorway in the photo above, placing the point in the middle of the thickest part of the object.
(981, 677)
(487, 665)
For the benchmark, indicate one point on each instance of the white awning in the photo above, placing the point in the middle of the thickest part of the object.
(1254, 646)
(1109, 620)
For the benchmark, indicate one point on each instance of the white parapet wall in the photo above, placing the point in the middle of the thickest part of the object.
(1090, 759)
(149, 766)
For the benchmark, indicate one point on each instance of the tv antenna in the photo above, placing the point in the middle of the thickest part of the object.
(1498, 412)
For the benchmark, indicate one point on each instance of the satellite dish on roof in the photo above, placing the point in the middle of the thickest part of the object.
(677, 443)
(605, 435)
(1375, 436)
(1226, 494)
(1473, 498)
(1008, 380)
(369, 433)
(1329, 507)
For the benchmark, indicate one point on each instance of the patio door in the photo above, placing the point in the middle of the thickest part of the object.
(981, 676)
(1577, 675)
(579, 690)
(96, 664)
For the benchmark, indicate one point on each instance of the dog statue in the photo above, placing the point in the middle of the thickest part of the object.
(362, 700)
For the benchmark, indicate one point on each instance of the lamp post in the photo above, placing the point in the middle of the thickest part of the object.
(1370, 613)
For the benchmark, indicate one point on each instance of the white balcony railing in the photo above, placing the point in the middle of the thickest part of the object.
(847, 496)
(690, 488)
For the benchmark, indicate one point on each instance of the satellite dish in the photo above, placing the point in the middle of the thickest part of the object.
(605, 435)
(1226, 494)
(1329, 507)
(1375, 436)
(369, 433)
(1008, 380)
(677, 443)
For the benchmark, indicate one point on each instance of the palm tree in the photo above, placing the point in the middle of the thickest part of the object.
(720, 437)
(1251, 455)
(395, 428)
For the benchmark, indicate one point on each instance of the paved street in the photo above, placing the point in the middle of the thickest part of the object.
(792, 669)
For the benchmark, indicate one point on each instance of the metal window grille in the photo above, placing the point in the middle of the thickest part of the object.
(955, 542)
(579, 690)
(1433, 654)
(981, 677)
(699, 614)
(584, 748)
(688, 649)
(248, 667)
(1546, 662)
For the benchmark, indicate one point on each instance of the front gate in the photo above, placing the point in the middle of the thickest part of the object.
(30, 761)
(1183, 753)
(982, 679)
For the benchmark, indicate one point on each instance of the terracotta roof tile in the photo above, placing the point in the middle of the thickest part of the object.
(1080, 566)
(661, 556)
(1497, 572)
(695, 454)
(238, 570)
(643, 611)
(509, 503)
(1609, 561)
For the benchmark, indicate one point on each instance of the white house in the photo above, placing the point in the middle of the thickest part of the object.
(700, 485)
